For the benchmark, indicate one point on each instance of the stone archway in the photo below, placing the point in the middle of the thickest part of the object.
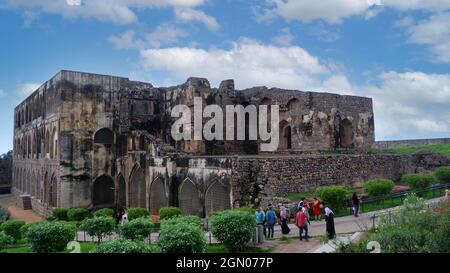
(137, 188)
(103, 191)
(53, 192)
(217, 197)
(345, 134)
(158, 197)
(188, 197)
(285, 136)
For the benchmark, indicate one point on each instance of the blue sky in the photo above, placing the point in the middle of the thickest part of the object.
(395, 51)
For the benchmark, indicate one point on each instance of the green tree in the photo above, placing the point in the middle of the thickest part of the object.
(98, 227)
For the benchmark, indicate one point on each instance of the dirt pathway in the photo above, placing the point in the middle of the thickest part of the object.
(17, 213)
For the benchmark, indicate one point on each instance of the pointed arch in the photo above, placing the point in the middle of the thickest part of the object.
(345, 134)
(137, 188)
(53, 192)
(217, 197)
(103, 191)
(121, 192)
(157, 195)
(188, 196)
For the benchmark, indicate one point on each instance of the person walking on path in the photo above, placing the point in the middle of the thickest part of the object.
(260, 219)
(283, 218)
(271, 219)
(301, 221)
(356, 202)
(316, 209)
(329, 219)
(125, 216)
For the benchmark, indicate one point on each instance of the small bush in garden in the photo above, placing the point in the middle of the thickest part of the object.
(105, 212)
(134, 213)
(5, 240)
(181, 237)
(49, 237)
(233, 228)
(443, 174)
(121, 245)
(419, 180)
(24, 229)
(169, 212)
(12, 228)
(246, 209)
(378, 187)
(60, 214)
(137, 229)
(77, 215)
(333, 196)
(4, 215)
(185, 219)
(98, 227)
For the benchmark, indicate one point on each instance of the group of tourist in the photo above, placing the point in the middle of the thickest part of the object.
(267, 220)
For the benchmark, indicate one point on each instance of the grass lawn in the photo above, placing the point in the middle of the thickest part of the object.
(438, 148)
(220, 248)
(85, 247)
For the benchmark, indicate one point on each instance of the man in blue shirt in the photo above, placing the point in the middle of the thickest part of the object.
(260, 218)
(271, 219)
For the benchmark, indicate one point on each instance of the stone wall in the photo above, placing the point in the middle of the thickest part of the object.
(260, 179)
(409, 142)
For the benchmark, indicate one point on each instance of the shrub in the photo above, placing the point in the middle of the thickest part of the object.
(4, 215)
(134, 213)
(121, 245)
(77, 215)
(50, 237)
(60, 214)
(181, 237)
(24, 229)
(169, 212)
(139, 228)
(186, 219)
(12, 228)
(105, 212)
(98, 227)
(419, 180)
(5, 240)
(333, 196)
(247, 209)
(443, 174)
(378, 187)
(233, 228)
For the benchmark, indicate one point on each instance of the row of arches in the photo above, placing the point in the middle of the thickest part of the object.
(37, 143)
(191, 199)
(40, 184)
(30, 110)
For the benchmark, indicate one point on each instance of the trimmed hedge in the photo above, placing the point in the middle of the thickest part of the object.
(233, 228)
(419, 180)
(185, 219)
(77, 214)
(136, 229)
(105, 212)
(98, 227)
(443, 174)
(378, 187)
(12, 228)
(24, 229)
(5, 240)
(333, 196)
(169, 212)
(121, 245)
(50, 237)
(60, 214)
(134, 213)
(179, 237)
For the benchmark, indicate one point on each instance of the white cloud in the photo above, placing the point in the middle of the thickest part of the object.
(435, 33)
(117, 11)
(249, 62)
(25, 89)
(284, 38)
(164, 34)
(334, 11)
(2, 93)
(192, 15)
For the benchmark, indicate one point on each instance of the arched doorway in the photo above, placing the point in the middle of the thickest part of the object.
(53, 192)
(217, 197)
(158, 197)
(103, 192)
(188, 198)
(285, 136)
(345, 134)
(137, 188)
(121, 192)
(104, 136)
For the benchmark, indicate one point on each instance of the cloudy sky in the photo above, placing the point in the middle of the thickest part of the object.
(395, 51)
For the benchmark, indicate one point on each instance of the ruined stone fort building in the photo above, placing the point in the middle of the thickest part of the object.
(92, 141)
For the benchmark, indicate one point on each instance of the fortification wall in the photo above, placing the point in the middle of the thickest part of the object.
(409, 142)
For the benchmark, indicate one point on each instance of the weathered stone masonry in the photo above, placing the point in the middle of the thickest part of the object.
(93, 141)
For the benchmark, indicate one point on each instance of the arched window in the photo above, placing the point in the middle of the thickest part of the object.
(189, 198)
(137, 188)
(294, 106)
(217, 197)
(104, 136)
(346, 134)
(158, 197)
